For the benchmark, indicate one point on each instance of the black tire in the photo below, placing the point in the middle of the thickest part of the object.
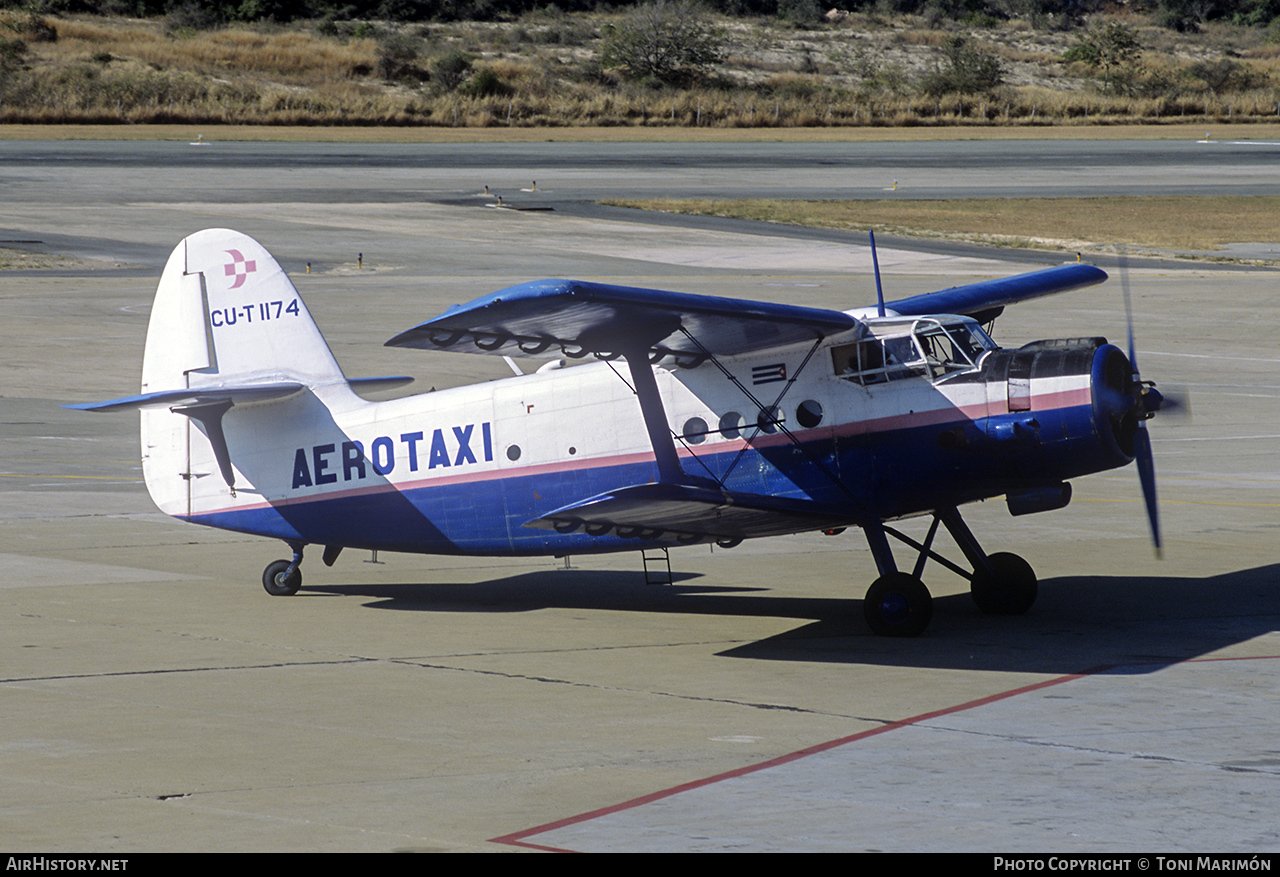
(898, 604)
(276, 584)
(1009, 590)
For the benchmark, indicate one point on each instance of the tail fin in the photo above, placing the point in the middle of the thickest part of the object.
(229, 333)
(228, 330)
(226, 313)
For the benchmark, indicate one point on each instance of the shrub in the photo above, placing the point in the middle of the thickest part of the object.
(451, 71)
(12, 55)
(1111, 50)
(398, 56)
(1225, 75)
(486, 83)
(36, 29)
(963, 69)
(670, 40)
(191, 17)
(801, 13)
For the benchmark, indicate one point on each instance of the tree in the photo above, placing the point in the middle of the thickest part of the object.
(451, 71)
(12, 57)
(669, 40)
(398, 57)
(963, 69)
(1112, 50)
(1225, 75)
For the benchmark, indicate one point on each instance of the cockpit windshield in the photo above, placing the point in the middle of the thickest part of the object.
(933, 347)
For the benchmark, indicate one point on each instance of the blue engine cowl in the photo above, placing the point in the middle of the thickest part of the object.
(1052, 441)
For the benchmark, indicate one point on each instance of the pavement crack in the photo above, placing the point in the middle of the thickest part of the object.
(169, 670)
(1100, 751)
(553, 681)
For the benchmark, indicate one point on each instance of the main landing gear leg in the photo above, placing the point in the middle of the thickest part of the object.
(897, 603)
(283, 578)
(1002, 583)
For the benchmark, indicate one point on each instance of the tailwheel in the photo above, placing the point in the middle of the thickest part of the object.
(279, 581)
(1009, 588)
(898, 604)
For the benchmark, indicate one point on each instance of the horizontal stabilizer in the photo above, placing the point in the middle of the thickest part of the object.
(241, 394)
(386, 382)
(689, 513)
(990, 296)
(550, 317)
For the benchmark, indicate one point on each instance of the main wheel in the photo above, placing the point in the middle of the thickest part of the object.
(273, 579)
(1010, 589)
(898, 604)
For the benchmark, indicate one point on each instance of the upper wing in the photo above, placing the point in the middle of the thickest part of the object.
(576, 318)
(987, 299)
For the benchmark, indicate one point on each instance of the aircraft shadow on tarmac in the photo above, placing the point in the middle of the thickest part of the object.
(1137, 624)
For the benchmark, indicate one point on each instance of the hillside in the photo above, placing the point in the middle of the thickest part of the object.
(554, 68)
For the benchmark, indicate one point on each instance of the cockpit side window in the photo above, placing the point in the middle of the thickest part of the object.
(877, 360)
(924, 347)
(951, 348)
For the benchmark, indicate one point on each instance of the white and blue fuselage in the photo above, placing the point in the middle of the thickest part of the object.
(707, 420)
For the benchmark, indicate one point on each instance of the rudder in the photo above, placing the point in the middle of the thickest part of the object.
(225, 310)
(228, 325)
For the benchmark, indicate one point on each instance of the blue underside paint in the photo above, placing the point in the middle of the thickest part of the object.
(888, 474)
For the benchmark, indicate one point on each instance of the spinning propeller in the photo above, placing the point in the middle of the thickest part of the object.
(1129, 402)
(1147, 400)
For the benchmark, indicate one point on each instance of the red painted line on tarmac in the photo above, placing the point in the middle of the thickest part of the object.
(518, 838)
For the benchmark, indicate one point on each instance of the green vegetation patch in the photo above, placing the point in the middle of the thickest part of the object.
(1163, 223)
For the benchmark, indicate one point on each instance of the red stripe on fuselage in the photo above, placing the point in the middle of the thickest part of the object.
(1041, 402)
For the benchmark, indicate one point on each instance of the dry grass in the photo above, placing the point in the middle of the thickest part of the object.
(20, 260)
(291, 56)
(1061, 223)
(859, 74)
(613, 133)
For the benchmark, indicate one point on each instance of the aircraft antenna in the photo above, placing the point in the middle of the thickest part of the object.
(875, 263)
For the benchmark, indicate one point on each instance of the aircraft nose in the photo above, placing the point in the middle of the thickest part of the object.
(1152, 400)
(1118, 397)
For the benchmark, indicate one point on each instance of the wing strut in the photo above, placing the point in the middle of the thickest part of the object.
(780, 425)
(655, 416)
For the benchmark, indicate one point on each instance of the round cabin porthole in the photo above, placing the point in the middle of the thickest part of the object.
(695, 431)
(768, 420)
(513, 452)
(809, 413)
(731, 424)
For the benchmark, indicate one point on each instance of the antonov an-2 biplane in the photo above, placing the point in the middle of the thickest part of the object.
(704, 420)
